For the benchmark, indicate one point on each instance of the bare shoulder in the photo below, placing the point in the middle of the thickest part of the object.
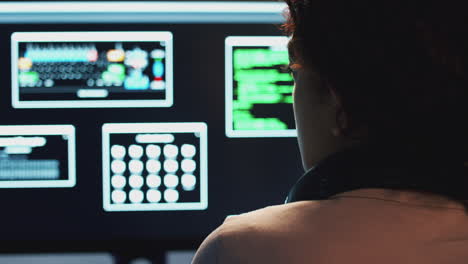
(269, 217)
(250, 232)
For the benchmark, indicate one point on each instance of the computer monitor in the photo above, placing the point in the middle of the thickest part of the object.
(140, 124)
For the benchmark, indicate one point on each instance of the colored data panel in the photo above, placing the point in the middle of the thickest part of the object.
(155, 167)
(258, 88)
(37, 156)
(92, 69)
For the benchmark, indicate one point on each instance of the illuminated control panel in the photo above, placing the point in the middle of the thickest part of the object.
(91, 69)
(37, 156)
(258, 88)
(155, 166)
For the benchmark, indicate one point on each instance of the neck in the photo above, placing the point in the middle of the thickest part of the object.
(369, 166)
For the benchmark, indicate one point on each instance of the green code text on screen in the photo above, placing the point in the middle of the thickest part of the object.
(261, 96)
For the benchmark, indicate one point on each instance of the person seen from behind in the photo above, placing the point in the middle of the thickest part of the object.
(381, 108)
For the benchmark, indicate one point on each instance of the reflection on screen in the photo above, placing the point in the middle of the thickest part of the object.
(155, 167)
(37, 156)
(258, 88)
(92, 69)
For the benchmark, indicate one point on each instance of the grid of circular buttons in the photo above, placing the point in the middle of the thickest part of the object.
(155, 167)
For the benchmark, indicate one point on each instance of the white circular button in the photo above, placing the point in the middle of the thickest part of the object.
(118, 196)
(171, 151)
(118, 166)
(171, 166)
(188, 151)
(171, 180)
(188, 165)
(158, 85)
(118, 152)
(188, 182)
(153, 181)
(158, 54)
(171, 195)
(136, 181)
(118, 181)
(136, 196)
(153, 166)
(135, 151)
(153, 196)
(135, 166)
(153, 151)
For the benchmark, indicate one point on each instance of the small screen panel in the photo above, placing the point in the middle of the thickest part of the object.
(258, 88)
(91, 69)
(155, 167)
(38, 156)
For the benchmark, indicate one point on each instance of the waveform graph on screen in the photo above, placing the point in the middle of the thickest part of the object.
(92, 69)
(258, 88)
(37, 156)
(155, 166)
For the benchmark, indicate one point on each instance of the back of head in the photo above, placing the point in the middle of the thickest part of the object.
(399, 67)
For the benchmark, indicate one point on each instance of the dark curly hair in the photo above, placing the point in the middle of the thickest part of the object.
(399, 67)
